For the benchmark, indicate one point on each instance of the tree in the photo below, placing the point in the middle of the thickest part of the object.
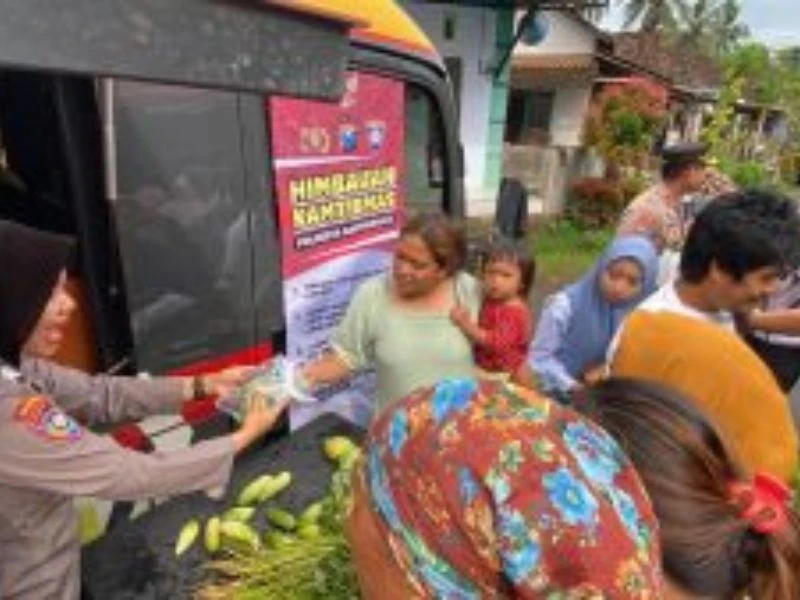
(753, 64)
(710, 26)
(695, 24)
(652, 15)
(789, 58)
(729, 31)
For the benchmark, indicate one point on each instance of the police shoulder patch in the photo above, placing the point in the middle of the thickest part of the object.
(43, 417)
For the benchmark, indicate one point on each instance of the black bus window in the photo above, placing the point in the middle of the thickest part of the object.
(425, 160)
(177, 185)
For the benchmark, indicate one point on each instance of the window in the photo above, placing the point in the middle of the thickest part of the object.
(182, 205)
(529, 116)
(449, 28)
(425, 147)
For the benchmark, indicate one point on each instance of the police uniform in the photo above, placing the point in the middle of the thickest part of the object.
(653, 213)
(665, 220)
(47, 458)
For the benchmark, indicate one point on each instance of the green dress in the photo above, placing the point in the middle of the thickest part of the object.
(408, 349)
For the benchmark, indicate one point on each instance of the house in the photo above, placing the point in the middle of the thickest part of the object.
(696, 84)
(475, 37)
(552, 85)
(696, 79)
(470, 38)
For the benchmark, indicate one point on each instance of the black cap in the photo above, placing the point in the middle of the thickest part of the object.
(684, 154)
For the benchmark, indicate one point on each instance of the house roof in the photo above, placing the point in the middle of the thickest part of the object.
(547, 70)
(611, 65)
(554, 61)
(679, 63)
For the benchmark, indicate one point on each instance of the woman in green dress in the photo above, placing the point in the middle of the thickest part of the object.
(399, 323)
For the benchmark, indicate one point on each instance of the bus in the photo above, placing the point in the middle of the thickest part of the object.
(164, 136)
(147, 130)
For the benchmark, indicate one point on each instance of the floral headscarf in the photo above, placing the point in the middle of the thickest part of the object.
(489, 491)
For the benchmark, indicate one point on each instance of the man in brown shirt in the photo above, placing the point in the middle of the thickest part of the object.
(657, 212)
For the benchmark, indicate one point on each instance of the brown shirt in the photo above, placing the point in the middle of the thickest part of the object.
(654, 214)
(47, 458)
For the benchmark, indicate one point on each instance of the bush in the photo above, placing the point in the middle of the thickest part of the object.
(594, 202)
(747, 174)
(790, 167)
(624, 120)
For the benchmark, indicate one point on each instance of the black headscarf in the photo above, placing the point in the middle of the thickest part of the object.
(30, 263)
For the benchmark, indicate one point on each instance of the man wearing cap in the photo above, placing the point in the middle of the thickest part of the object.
(657, 212)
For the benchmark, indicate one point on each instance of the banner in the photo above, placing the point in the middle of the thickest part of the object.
(339, 176)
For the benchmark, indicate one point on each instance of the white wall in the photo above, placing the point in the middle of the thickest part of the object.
(569, 111)
(474, 44)
(565, 35)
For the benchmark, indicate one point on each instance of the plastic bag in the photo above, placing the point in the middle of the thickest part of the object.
(278, 380)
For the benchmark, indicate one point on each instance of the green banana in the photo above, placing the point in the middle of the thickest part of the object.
(276, 485)
(253, 491)
(277, 540)
(187, 536)
(212, 536)
(239, 513)
(309, 531)
(281, 518)
(338, 446)
(311, 514)
(240, 533)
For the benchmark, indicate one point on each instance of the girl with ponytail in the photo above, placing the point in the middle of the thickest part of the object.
(725, 534)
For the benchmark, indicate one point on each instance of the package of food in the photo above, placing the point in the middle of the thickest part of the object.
(277, 380)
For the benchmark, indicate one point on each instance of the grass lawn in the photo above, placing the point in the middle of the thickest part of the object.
(563, 253)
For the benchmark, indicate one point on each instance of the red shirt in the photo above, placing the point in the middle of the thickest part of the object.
(509, 332)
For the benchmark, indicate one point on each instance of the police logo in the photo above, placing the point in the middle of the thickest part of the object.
(45, 419)
(376, 134)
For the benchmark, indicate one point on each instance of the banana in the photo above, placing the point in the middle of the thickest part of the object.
(309, 531)
(311, 514)
(338, 446)
(275, 486)
(239, 513)
(240, 533)
(281, 518)
(253, 491)
(212, 536)
(187, 536)
(277, 540)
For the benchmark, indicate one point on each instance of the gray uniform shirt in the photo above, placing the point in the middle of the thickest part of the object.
(47, 458)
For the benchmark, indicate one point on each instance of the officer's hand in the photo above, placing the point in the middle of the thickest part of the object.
(260, 415)
(223, 383)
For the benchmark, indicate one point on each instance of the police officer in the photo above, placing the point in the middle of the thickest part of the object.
(47, 457)
(659, 211)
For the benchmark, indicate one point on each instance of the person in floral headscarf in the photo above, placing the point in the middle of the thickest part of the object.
(486, 490)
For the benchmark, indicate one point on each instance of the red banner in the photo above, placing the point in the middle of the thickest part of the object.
(339, 174)
(339, 169)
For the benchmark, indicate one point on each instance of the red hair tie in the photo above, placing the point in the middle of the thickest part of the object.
(764, 503)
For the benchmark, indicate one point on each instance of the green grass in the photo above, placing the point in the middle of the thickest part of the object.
(563, 253)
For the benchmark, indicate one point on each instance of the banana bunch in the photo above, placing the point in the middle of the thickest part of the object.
(233, 530)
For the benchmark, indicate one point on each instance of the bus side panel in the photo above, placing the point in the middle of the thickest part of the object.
(216, 44)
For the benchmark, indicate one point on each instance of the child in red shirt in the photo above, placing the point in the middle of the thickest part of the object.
(505, 323)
